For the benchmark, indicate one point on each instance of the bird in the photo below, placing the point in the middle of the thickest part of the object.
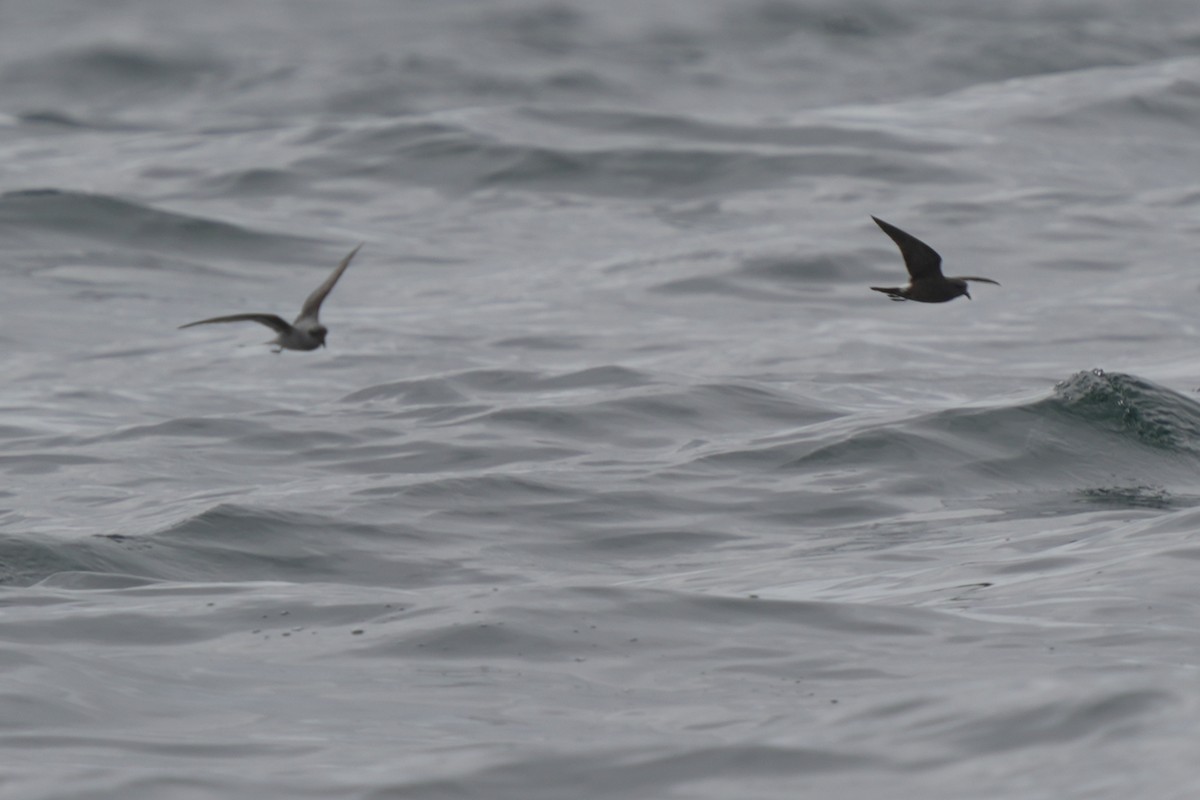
(306, 332)
(926, 282)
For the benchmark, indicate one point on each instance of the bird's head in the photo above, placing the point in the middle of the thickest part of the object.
(318, 333)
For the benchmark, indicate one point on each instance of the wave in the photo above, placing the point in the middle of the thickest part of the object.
(90, 70)
(233, 543)
(458, 386)
(1131, 407)
(112, 220)
(1105, 438)
(768, 278)
(692, 164)
(684, 128)
(686, 466)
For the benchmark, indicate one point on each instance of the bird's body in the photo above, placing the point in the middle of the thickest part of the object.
(926, 283)
(306, 332)
(941, 291)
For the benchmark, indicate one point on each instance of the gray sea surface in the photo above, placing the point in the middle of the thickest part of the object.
(615, 479)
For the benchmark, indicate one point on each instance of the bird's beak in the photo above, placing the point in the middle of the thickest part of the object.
(968, 294)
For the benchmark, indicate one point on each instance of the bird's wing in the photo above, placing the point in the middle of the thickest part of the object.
(312, 306)
(270, 320)
(981, 280)
(922, 261)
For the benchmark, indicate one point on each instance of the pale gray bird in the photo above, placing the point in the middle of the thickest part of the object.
(926, 282)
(307, 332)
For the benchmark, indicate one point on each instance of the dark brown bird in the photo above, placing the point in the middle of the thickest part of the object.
(926, 282)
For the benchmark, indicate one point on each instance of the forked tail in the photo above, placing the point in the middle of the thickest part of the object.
(894, 292)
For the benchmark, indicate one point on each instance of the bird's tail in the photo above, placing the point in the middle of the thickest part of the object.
(894, 292)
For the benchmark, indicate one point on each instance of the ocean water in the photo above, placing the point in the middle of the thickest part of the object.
(615, 479)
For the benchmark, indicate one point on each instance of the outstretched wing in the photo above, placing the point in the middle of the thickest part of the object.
(922, 261)
(312, 306)
(277, 324)
(981, 280)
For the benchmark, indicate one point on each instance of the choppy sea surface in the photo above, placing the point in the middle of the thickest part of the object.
(615, 480)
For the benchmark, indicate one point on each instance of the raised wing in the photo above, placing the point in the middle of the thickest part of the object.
(277, 324)
(312, 306)
(981, 280)
(922, 261)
